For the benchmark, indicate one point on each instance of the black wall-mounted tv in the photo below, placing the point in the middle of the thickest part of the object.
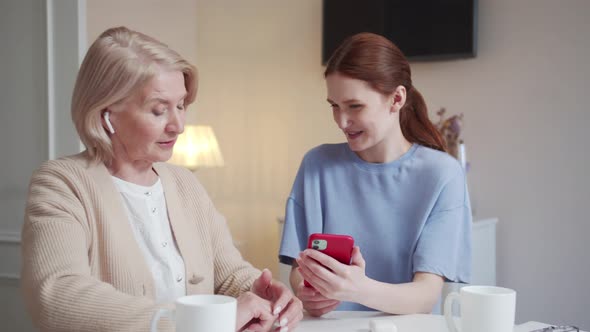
(422, 29)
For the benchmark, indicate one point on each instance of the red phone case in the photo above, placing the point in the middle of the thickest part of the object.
(336, 246)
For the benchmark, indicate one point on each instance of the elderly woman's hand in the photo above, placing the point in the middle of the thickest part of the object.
(254, 313)
(284, 304)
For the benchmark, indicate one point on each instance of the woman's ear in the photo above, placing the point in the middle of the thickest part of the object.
(398, 99)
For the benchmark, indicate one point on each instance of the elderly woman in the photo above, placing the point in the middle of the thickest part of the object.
(113, 234)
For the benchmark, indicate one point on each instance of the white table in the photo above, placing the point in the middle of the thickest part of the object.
(358, 321)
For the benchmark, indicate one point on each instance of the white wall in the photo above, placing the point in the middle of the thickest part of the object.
(39, 60)
(22, 118)
(23, 133)
(263, 93)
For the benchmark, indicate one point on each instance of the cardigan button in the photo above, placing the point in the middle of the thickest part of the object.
(195, 279)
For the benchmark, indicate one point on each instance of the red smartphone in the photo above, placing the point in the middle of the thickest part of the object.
(336, 246)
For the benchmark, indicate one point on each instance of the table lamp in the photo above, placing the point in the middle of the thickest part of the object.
(196, 148)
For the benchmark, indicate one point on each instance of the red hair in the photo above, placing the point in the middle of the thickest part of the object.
(377, 61)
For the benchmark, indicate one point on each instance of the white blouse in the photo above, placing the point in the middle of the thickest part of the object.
(148, 215)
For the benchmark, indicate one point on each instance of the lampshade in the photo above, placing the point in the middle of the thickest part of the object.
(197, 147)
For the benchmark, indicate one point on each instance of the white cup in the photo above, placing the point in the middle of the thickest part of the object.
(201, 313)
(483, 309)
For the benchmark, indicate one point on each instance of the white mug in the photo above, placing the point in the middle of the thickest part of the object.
(483, 309)
(200, 313)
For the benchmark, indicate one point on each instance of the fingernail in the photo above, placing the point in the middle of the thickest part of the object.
(277, 310)
(283, 322)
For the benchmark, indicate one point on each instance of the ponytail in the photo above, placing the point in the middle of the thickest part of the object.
(415, 124)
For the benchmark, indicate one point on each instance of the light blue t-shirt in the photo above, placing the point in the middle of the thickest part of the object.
(409, 215)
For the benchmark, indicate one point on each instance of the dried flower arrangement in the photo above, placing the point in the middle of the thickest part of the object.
(450, 130)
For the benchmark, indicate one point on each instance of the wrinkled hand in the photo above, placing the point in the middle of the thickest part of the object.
(331, 278)
(314, 302)
(284, 304)
(254, 313)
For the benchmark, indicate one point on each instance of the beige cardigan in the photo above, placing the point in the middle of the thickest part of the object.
(81, 267)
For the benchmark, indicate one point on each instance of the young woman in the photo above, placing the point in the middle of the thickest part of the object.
(391, 187)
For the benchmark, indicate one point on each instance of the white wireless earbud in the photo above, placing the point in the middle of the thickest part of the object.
(108, 122)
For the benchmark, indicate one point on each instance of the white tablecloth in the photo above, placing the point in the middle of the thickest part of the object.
(358, 321)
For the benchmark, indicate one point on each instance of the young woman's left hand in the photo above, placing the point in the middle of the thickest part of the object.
(284, 304)
(331, 278)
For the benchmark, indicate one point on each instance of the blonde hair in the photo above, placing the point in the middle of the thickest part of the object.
(117, 65)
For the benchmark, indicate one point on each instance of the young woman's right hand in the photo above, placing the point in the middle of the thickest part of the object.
(315, 303)
(254, 313)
